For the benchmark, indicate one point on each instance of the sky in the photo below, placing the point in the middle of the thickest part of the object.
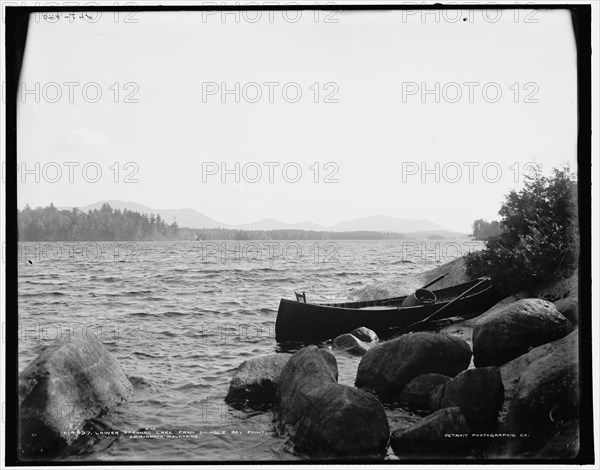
(302, 117)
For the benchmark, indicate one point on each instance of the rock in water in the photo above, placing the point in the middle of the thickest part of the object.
(443, 432)
(304, 373)
(349, 343)
(343, 422)
(478, 393)
(543, 394)
(569, 308)
(324, 417)
(417, 394)
(364, 334)
(69, 384)
(506, 333)
(255, 380)
(389, 367)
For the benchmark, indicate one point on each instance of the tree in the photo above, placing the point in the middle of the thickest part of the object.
(482, 229)
(539, 238)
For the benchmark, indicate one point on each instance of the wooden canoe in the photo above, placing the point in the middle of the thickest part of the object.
(314, 322)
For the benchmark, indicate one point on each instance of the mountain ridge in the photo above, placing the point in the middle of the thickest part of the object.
(192, 218)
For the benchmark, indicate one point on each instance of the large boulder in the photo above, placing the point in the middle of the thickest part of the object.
(569, 308)
(349, 343)
(343, 422)
(554, 290)
(389, 367)
(564, 444)
(305, 372)
(255, 380)
(543, 393)
(417, 394)
(479, 393)
(444, 432)
(364, 334)
(506, 333)
(63, 390)
(512, 371)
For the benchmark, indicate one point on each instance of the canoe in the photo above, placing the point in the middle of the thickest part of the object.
(314, 322)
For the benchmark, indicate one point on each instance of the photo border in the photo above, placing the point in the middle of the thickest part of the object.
(16, 31)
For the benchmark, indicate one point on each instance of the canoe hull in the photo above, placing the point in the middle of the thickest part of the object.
(305, 322)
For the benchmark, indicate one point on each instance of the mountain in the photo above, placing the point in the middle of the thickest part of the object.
(193, 219)
(272, 224)
(132, 206)
(185, 217)
(383, 223)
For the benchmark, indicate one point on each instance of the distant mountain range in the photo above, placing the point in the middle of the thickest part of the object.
(193, 219)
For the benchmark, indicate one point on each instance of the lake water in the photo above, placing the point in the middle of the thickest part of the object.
(181, 317)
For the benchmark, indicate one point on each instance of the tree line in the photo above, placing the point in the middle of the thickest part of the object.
(108, 224)
(104, 224)
(483, 230)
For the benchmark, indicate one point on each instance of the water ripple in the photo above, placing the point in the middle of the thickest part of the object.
(181, 325)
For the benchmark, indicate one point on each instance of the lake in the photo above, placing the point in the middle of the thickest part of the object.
(182, 316)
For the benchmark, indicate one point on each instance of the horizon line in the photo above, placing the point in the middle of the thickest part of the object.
(235, 225)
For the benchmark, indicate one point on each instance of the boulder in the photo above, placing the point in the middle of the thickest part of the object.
(511, 299)
(565, 443)
(255, 380)
(304, 373)
(543, 394)
(479, 393)
(388, 367)
(512, 371)
(554, 290)
(417, 394)
(569, 308)
(444, 432)
(64, 389)
(506, 333)
(350, 344)
(364, 334)
(343, 422)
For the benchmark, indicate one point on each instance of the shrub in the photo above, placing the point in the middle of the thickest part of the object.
(539, 238)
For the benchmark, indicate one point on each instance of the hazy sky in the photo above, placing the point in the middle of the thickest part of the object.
(162, 119)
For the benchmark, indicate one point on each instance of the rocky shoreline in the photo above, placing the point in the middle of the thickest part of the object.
(504, 384)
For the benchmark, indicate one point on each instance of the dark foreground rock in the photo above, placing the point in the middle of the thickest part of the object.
(564, 444)
(569, 308)
(506, 333)
(63, 390)
(389, 367)
(512, 372)
(444, 432)
(479, 393)
(349, 343)
(343, 422)
(255, 380)
(417, 394)
(305, 372)
(543, 396)
(324, 418)
(364, 334)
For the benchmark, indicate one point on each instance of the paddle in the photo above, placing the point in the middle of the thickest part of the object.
(439, 278)
(430, 317)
